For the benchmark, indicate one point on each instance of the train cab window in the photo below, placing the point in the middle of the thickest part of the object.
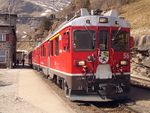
(103, 40)
(120, 40)
(84, 40)
(66, 41)
(57, 46)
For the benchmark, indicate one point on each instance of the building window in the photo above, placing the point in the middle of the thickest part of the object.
(2, 56)
(2, 37)
(57, 46)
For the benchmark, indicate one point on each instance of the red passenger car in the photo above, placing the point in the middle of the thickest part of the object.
(88, 56)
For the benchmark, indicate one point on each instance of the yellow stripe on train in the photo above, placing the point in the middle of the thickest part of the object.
(55, 36)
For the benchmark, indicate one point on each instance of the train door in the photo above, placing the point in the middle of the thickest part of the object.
(103, 69)
(103, 43)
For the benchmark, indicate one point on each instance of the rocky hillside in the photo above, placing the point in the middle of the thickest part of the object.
(32, 7)
(138, 15)
(53, 5)
(136, 11)
(31, 16)
(21, 7)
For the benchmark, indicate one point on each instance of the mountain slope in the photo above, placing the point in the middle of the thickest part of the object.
(54, 5)
(139, 16)
(136, 11)
(20, 7)
(28, 12)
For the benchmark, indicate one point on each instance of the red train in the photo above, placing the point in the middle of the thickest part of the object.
(88, 56)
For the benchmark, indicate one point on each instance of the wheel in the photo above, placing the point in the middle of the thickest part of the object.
(66, 89)
(61, 83)
(55, 79)
(47, 76)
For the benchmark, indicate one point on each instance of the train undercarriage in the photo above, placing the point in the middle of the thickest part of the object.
(92, 89)
(88, 88)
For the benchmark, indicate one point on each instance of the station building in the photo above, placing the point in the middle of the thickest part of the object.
(8, 40)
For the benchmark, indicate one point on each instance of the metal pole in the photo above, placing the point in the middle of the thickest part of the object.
(10, 30)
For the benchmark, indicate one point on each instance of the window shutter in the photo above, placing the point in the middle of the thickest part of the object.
(7, 37)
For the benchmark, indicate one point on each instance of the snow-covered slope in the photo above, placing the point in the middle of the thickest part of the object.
(54, 5)
(33, 7)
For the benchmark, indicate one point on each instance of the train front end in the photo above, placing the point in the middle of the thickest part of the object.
(100, 58)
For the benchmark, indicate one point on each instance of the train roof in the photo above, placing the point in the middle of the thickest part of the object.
(86, 19)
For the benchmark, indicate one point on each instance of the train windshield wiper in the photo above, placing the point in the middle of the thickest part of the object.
(115, 36)
(91, 35)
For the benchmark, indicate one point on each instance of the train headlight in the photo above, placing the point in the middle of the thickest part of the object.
(103, 20)
(80, 63)
(123, 63)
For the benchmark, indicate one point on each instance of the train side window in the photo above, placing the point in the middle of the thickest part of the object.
(57, 46)
(44, 54)
(66, 41)
(51, 48)
(41, 51)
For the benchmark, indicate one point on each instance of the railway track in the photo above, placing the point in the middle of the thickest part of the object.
(141, 64)
(92, 107)
(140, 82)
(107, 107)
(115, 107)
